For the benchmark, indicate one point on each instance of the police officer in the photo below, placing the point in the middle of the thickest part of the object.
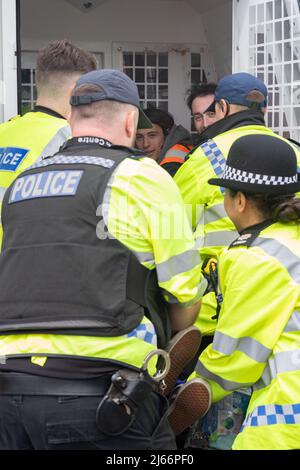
(240, 103)
(41, 132)
(87, 241)
(256, 342)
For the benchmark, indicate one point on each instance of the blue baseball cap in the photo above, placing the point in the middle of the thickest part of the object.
(116, 86)
(236, 87)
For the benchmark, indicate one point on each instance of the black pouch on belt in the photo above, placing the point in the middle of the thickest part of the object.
(127, 393)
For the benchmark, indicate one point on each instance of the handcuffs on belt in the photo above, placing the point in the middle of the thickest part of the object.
(127, 393)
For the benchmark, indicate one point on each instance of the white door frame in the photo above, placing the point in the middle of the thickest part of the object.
(179, 71)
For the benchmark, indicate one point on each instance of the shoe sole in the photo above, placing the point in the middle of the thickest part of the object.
(182, 349)
(191, 403)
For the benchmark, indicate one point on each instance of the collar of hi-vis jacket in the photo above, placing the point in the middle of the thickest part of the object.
(243, 118)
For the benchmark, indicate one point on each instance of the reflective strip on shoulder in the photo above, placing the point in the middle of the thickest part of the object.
(282, 253)
(214, 155)
(226, 344)
(294, 323)
(57, 140)
(178, 264)
(214, 213)
(217, 238)
(63, 160)
(225, 384)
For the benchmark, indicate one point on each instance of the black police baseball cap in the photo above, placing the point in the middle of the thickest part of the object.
(236, 87)
(116, 86)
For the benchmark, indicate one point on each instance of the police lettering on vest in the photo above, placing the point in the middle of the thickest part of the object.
(48, 184)
(11, 157)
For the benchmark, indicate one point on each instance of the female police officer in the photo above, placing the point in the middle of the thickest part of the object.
(257, 338)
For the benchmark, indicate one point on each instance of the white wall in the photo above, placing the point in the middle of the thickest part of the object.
(115, 21)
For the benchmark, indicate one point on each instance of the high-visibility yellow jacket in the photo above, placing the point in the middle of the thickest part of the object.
(257, 338)
(142, 208)
(25, 139)
(205, 203)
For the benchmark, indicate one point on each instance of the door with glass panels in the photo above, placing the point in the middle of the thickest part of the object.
(271, 51)
(164, 74)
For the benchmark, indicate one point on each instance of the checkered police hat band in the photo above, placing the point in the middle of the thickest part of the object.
(233, 174)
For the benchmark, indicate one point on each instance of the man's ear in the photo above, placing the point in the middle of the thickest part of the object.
(131, 124)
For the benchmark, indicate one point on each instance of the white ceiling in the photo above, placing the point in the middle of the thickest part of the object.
(200, 5)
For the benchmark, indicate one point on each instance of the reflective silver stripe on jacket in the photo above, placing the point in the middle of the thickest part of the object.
(294, 323)
(177, 264)
(286, 361)
(175, 153)
(226, 344)
(144, 257)
(282, 253)
(225, 384)
(217, 238)
(2, 192)
(214, 213)
(56, 142)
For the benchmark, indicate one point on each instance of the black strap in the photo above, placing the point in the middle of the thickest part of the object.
(13, 383)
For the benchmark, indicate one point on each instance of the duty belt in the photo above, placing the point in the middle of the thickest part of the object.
(13, 383)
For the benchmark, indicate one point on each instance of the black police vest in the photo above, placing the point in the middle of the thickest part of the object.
(56, 275)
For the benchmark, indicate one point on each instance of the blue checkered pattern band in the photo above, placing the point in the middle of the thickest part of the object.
(62, 159)
(215, 156)
(265, 415)
(233, 174)
(145, 332)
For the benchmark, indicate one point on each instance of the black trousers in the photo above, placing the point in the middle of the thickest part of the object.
(54, 423)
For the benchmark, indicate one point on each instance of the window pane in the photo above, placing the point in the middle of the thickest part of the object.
(296, 116)
(139, 59)
(163, 59)
(25, 75)
(163, 76)
(140, 75)
(163, 105)
(151, 92)
(287, 29)
(252, 15)
(269, 11)
(260, 13)
(278, 9)
(129, 72)
(195, 76)
(128, 59)
(296, 50)
(163, 91)
(278, 31)
(26, 93)
(297, 72)
(151, 75)
(151, 59)
(287, 52)
(141, 90)
(195, 60)
(269, 32)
